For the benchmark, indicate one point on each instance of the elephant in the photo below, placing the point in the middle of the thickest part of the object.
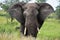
(31, 16)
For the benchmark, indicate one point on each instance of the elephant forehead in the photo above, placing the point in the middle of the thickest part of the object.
(31, 5)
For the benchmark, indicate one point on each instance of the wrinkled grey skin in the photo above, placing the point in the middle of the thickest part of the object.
(31, 16)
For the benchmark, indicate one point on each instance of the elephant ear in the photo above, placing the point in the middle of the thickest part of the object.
(44, 10)
(16, 11)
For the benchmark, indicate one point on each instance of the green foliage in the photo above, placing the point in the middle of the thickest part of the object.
(26, 1)
(5, 7)
(7, 27)
(8, 3)
(58, 12)
(41, 1)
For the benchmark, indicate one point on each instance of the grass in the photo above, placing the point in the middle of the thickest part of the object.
(6, 36)
(49, 31)
(7, 27)
(51, 27)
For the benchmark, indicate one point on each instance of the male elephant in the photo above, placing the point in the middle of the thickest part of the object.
(31, 16)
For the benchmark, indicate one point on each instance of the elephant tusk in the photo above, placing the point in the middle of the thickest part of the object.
(37, 28)
(25, 31)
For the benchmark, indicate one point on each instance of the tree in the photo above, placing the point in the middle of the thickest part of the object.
(41, 1)
(26, 1)
(8, 3)
(58, 11)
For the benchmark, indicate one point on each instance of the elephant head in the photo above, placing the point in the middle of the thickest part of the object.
(31, 16)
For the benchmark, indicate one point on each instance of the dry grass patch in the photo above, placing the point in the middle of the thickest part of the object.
(6, 36)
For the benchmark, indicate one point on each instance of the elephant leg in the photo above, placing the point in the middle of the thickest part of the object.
(22, 28)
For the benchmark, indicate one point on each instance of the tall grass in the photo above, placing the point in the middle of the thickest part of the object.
(5, 36)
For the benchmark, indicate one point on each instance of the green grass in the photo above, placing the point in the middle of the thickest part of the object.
(49, 31)
(7, 26)
(51, 27)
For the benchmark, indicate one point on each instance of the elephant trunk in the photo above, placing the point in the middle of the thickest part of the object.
(31, 26)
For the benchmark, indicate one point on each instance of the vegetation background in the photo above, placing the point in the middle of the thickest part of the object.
(49, 31)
